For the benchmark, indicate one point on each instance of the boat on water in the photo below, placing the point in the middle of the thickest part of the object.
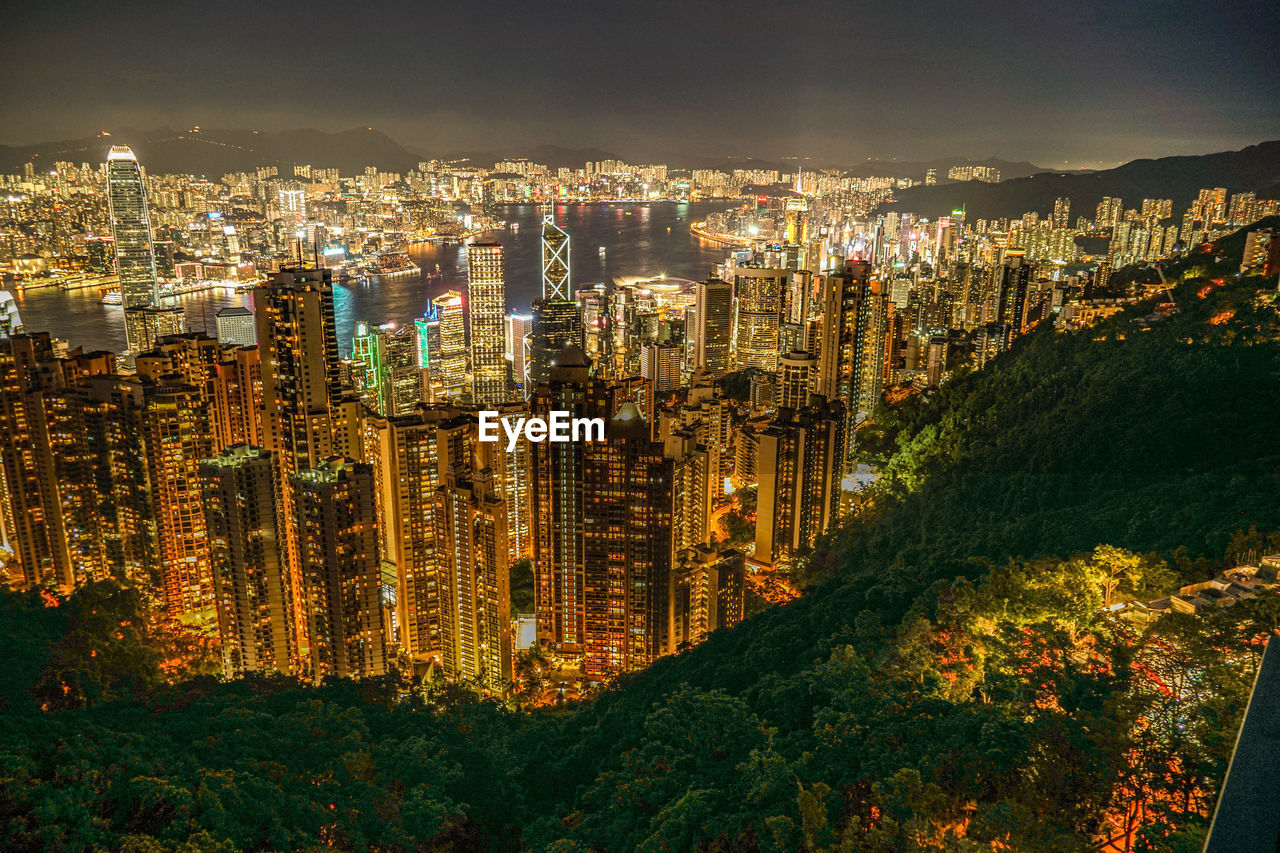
(111, 297)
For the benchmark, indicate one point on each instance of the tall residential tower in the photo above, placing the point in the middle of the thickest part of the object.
(486, 308)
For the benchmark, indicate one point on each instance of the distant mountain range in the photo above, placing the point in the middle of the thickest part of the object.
(1256, 169)
(214, 152)
(552, 156)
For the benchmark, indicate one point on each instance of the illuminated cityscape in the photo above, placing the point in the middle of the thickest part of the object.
(763, 493)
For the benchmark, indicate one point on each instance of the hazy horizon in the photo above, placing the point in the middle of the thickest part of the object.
(1058, 84)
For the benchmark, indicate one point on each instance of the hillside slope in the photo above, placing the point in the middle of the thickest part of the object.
(1256, 168)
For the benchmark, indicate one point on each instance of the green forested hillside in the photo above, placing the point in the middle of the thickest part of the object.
(952, 679)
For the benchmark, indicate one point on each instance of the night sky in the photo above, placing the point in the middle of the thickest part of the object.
(1059, 83)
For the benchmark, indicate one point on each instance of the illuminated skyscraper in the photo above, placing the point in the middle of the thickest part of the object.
(426, 334)
(556, 325)
(131, 226)
(512, 470)
(714, 325)
(555, 262)
(305, 417)
(300, 379)
(449, 373)
(251, 575)
(31, 524)
(486, 309)
(795, 376)
(692, 475)
(628, 547)
(1061, 212)
(842, 340)
(368, 373)
(873, 319)
(145, 326)
(103, 477)
(1015, 279)
(517, 330)
(385, 370)
(757, 307)
(341, 579)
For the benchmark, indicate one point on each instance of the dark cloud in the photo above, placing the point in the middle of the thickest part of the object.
(1049, 81)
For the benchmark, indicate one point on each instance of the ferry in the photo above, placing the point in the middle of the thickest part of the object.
(111, 297)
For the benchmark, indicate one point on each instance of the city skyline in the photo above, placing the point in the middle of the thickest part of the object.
(639, 497)
(671, 78)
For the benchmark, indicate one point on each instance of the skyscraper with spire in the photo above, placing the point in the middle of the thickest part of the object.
(135, 256)
(555, 261)
(557, 318)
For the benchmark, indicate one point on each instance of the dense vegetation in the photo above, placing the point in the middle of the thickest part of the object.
(952, 679)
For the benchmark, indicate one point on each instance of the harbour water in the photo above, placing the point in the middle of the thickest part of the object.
(608, 241)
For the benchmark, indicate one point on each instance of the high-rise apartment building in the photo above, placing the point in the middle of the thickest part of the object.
(404, 454)
(627, 547)
(660, 364)
(486, 309)
(301, 383)
(796, 372)
(693, 475)
(799, 465)
(340, 575)
(1061, 212)
(253, 589)
(851, 342)
(604, 528)
(1015, 279)
(237, 408)
(31, 522)
(235, 326)
(176, 437)
(512, 473)
(707, 591)
(471, 527)
(306, 416)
